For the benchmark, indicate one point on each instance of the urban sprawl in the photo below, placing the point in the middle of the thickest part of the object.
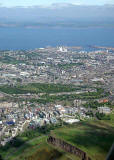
(50, 85)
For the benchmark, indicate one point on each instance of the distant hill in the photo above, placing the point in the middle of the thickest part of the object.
(58, 16)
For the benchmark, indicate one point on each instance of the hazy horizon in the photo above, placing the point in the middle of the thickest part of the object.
(42, 16)
(57, 14)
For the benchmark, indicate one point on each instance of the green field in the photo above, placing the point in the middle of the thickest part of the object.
(38, 88)
(93, 137)
(35, 149)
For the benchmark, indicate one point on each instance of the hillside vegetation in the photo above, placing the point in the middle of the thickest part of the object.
(93, 137)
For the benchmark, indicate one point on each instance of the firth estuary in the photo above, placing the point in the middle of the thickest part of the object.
(15, 38)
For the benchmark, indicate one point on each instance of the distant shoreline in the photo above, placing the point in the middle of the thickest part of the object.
(103, 47)
(52, 26)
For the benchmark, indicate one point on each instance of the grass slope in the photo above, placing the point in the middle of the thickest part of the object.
(95, 137)
(35, 149)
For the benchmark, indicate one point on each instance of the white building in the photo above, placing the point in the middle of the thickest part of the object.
(70, 121)
(62, 49)
(105, 110)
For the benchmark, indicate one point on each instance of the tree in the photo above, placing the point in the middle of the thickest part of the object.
(1, 157)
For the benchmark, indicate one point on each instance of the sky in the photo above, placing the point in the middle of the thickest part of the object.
(13, 3)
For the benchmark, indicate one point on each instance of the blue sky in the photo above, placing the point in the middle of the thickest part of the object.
(11, 3)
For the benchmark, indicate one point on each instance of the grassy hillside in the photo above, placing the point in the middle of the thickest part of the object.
(34, 149)
(38, 88)
(93, 137)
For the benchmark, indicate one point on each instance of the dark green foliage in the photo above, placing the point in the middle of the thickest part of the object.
(29, 134)
(47, 128)
(19, 80)
(102, 116)
(10, 60)
(90, 113)
(85, 96)
(17, 142)
(38, 88)
(66, 66)
(95, 104)
(1, 157)
(92, 104)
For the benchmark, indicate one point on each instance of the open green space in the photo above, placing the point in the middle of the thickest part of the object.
(10, 60)
(68, 66)
(46, 98)
(34, 149)
(93, 137)
(39, 88)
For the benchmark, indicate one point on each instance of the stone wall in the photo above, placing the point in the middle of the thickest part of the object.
(68, 147)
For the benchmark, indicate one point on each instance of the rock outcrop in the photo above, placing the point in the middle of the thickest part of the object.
(68, 147)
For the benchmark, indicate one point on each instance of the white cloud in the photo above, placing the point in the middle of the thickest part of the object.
(52, 3)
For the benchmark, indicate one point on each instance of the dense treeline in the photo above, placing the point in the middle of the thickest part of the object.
(11, 60)
(85, 96)
(38, 88)
(102, 116)
(66, 66)
(1, 157)
(95, 104)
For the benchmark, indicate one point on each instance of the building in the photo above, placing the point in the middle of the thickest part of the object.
(105, 110)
